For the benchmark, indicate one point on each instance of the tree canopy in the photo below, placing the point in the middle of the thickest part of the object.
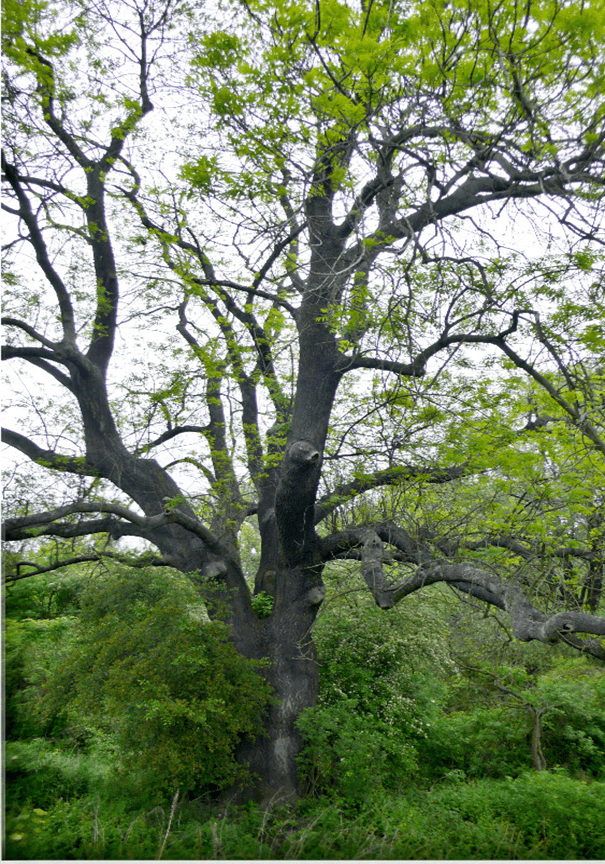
(319, 280)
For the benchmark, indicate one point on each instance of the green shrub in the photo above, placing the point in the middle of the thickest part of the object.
(352, 754)
(492, 736)
(573, 692)
(44, 596)
(33, 648)
(486, 742)
(148, 668)
(380, 691)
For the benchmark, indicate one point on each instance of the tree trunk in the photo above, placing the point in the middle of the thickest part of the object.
(537, 755)
(285, 641)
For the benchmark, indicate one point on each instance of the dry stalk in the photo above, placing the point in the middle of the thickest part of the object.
(165, 838)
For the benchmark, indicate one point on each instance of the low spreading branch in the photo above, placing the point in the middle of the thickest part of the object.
(37, 524)
(25, 569)
(528, 622)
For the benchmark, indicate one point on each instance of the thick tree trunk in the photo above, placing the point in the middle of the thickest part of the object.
(272, 758)
(290, 572)
(285, 640)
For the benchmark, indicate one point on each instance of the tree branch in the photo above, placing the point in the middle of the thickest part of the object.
(528, 622)
(38, 524)
(37, 241)
(22, 325)
(172, 433)
(216, 431)
(388, 477)
(142, 561)
(48, 458)
(417, 367)
(36, 356)
(35, 519)
(580, 421)
(69, 530)
(517, 547)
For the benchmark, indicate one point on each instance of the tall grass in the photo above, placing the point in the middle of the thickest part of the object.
(536, 816)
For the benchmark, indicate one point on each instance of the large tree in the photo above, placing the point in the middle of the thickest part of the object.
(266, 266)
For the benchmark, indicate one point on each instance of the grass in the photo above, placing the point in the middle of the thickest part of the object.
(535, 816)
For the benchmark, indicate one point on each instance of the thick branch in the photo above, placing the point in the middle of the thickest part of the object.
(36, 356)
(524, 549)
(68, 530)
(528, 622)
(37, 523)
(105, 320)
(216, 430)
(48, 458)
(37, 241)
(23, 325)
(474, 191)
(37, 519)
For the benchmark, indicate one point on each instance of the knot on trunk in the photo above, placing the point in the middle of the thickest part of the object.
(303, 454)
(213, 568)
(294, 501)
(316, 595)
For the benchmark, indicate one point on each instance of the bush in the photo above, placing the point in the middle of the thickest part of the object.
(147, 669)
(573, 692)
(33, 648)
(380, 691)
(494, 739)
(486, 742)
(351, 754)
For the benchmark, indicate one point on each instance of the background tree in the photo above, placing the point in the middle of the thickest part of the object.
(331, 213)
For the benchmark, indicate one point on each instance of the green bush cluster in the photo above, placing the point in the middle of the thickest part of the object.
(397, 705)
(573, 691)
(491, 737)
(352, 754)
(144, 674)
(381, 684)
(126, 705)
(483, 742)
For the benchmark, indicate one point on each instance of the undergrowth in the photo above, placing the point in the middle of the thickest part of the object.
(535, 816)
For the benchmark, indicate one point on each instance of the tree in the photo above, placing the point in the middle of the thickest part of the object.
(331, 211)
